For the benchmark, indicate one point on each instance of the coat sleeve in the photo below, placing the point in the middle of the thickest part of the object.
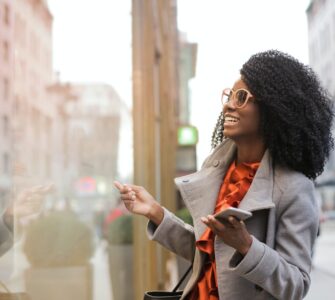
(174, 234)
(284, 271)
(6, 237)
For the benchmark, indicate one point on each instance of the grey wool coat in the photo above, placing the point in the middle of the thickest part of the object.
(283, 228)
(6, 237)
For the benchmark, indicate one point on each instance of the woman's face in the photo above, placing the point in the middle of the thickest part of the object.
(241, 123)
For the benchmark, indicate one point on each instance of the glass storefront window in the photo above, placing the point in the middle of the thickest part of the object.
(66, 136)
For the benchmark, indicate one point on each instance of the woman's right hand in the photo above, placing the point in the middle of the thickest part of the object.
(139, 201)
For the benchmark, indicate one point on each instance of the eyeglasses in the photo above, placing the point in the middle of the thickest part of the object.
(239, 97)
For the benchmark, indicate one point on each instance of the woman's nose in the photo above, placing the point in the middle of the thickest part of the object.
(229, 106)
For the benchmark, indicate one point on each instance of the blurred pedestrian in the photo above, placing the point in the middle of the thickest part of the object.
(116, 212)
(271, 141)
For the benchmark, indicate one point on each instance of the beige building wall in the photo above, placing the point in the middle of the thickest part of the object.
(155, 90)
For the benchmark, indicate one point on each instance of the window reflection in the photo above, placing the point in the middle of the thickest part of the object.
(63, 143)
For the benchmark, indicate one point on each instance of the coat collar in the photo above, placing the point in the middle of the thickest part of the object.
(199, 190)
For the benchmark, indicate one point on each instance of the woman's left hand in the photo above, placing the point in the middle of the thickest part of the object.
(29, 201)
(233, 232)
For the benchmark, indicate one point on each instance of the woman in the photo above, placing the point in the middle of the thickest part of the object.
(270, 142)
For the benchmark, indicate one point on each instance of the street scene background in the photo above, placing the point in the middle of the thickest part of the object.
(94, 91)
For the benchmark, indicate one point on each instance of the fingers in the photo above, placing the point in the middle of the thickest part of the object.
(33, 199)
(217, 226)
(134, 187)
(47, 189)
(119, 186)
(38, 190)
(129, 204)
(43, 190)
(213, 223)
(129, 191)
(235, 222)
(123, 188)
(204, 220)
(128, 196)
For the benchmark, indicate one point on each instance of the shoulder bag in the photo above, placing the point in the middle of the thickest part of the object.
(174, 295)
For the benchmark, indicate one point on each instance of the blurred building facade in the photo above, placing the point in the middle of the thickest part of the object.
(35, 117)
(187, 135)
(6, 93)
(187, 70)
(321, 39)
(92, 140)
(69, 134)
(61, 131)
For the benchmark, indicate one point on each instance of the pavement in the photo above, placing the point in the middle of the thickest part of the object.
(323, 272)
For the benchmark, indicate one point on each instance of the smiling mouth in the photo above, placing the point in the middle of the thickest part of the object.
(230, 120)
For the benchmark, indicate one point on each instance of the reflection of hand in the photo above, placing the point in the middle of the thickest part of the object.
(233, 232)
(139, 201)
(29, 201)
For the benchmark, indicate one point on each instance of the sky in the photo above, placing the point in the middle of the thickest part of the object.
(92, 42)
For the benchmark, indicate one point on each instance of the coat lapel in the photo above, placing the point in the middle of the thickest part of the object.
(199, 190)
(259, 195)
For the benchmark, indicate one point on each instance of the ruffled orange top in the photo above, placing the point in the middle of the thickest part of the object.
(234, 187)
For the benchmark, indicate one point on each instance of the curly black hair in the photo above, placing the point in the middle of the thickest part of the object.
(296, 112)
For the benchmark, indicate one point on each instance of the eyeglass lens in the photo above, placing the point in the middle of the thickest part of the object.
(240, 96)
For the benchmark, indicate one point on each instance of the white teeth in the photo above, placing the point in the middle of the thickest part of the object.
(231, 119)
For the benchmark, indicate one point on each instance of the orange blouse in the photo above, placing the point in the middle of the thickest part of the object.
(234, 187)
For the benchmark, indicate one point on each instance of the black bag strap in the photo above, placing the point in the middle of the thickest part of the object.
(182, 279)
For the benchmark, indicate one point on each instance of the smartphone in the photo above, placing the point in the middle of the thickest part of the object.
(240, 214)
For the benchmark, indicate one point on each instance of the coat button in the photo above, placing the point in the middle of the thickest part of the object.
(216, 163)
